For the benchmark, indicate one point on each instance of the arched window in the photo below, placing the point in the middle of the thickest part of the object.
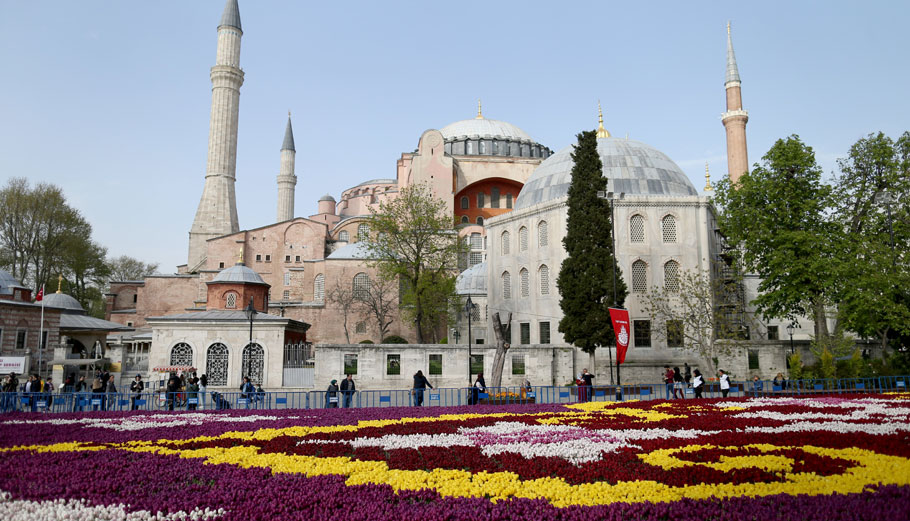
(506, 285)
(508, 200)
(464, 219)
(182, 354)
(361, 285)
(522, 239)
(542, 238)
(465, 202)
(230, 301)
(343, 236)
(544, 275)
(480, 202)
(639, 277)
(505, 243)
(494, 197)
(476, 241)
(668, 224)
(525, 282)
(319, 288)
(637, 228)
(216, 364)
(671, 276)
(363, 232)
(253, 363)
(480, 221)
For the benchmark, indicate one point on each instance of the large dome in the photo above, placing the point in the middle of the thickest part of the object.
(472, 281)
(484, 127)
(630, 166)
(63, 301)
(238, 273)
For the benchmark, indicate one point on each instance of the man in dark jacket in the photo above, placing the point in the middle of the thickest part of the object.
(420, 384)
(347, 390)
(136, 387)
(111, 392)
(173, 387)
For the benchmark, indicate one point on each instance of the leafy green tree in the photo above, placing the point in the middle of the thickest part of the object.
(413, 239)
(586, 276)
(125, 267)
(84, 267)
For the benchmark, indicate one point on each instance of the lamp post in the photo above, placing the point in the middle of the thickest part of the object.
(469, 308)
(790, 329)
(612, 197)
(455, 335)
(250, 314)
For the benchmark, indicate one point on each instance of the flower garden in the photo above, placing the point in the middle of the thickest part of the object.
(747, 458)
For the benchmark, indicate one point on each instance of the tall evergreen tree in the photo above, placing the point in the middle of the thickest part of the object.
(586, 276)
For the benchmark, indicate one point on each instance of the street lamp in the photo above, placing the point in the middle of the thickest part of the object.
(250, 312)
(469, 308)
(455, 335)
(790, 329)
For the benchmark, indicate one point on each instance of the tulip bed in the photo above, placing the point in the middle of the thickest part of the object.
(824, 458)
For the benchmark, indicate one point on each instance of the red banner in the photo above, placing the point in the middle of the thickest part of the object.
(621, 331)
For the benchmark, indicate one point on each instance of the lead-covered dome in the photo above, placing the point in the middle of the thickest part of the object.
(472, 281)
(484, 127)
(8, 282)
(630, 166)
(62, 301)
(489, 137)
(238, 273)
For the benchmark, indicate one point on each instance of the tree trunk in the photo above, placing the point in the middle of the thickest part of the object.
(502, 347)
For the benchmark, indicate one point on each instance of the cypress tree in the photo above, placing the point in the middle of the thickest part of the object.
(586, 276)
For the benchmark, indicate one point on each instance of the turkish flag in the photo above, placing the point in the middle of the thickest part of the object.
(40, 296)
(621, 331)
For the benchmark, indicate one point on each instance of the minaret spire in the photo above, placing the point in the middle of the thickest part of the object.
(287, 181)
(735, 118)
(708, 187)
(479, 112)
(217, 212)
(601, 131)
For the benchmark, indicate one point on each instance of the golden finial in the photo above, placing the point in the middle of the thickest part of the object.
(708, 187)
(601, 131)
(728, 28)
(479, 113)
(240, 260)
(59, 283)
(289, 112)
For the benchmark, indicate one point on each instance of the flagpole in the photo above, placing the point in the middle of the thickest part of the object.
(41, 334)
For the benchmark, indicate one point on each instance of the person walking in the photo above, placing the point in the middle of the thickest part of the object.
(347, 389)
(203, 389)
(668, 380)
(724, 379)
(331, 395)
(9, 392)
(247, 391)
(480, 386)
(698, 383)
(49, 392)
(136, 387)
(678, 384)
(420, 385)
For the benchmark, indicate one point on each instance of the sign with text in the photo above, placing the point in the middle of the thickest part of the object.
(622, 331)
(12, 364)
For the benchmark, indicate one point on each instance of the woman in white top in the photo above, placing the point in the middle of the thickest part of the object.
(724, 382)
(698, 383)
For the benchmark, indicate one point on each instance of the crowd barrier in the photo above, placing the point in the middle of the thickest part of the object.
(446, 397)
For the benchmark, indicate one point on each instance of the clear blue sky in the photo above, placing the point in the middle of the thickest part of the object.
(110, 99)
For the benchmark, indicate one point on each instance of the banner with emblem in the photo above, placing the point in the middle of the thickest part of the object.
(622, 331)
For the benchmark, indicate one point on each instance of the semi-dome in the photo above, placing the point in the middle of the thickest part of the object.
(8, 282)
(630, 166)
(62, 301)
(358, 250)
(484, 127)
(472, 281)
(238, 273)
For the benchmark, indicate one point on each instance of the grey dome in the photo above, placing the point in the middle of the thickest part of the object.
(238, 273)
(472, 281)
(358, 250)
(484, 127)
(63, 301)
(8, 282)
(629, 166)
(327, 197)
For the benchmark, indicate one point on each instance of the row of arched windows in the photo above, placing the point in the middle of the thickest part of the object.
(216, 361)
(524, 276)
(363, 233)
(543, 238)
(637, 228)
(640, 276)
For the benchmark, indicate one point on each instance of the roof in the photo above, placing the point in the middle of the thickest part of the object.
(484, 127)
(8, 282)
(358, 250)
(630, 166)
(385, 181)
(327, 197)
(72, 322)
(288, 143)
(472, 281)
(231, 15)
(238, 273)
(63, 301)
(220, 315)
(732, 69)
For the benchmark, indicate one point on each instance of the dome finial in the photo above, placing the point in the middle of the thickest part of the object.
(59, 283)
(240, 259)
(601, 131)
(708, 187)
(479, 113)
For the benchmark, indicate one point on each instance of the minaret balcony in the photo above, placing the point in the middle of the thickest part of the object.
(730, 114)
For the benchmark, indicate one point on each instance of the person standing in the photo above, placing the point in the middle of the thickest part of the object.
(480, 386)
(111, 393)
(347, 390)
(724, 379)
(173, 386)
(588, 380)
(79, 394)
(203, 388)
(247, 390)
(687, 373)
(136, 387)
(420, 385)
(331, 395)
(698, 383)
(678, 384)
(49, 391)
(192, 392)
(668, 380)
(98, 392)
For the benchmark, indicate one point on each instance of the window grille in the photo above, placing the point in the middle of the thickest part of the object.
(287, 258)
(525, 328)
(544, 279)
(253, 358)
(518, 364)
(363, 232)
(671, 276)
(523, 239)
(542, 238)
(268, 258)
(642, 333)
(287, 279)
(475, 312)
(361, 285)
(675, 333)
(494, 197)
(20, 339)
(465, 202)
(343, 236)
(476, 364)
(231, 301)
(508, 200)
(216, 364)
(505, 243)
(435, 365)
(297, 258)
(319, 288)
(182, 354)
(393, 365)
(506, 285)
(525, 282)
(259, 258)
(350, 364)
(639, 277)
(286, 295)
(475, 258)
(637, 228)
(476, 241)
(479, 221)
(773, 333)
(480, 200)
(361, 327)
(544, 330)
(668, 224)
(753, 360)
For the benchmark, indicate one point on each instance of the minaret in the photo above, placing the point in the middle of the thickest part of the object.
(735, 118)
(217, 212)
(286, 178)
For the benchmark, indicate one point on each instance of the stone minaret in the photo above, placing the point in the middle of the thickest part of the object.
(286, 178)
(735, 118)
(217, 213)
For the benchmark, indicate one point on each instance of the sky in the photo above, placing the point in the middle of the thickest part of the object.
(110, 100)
